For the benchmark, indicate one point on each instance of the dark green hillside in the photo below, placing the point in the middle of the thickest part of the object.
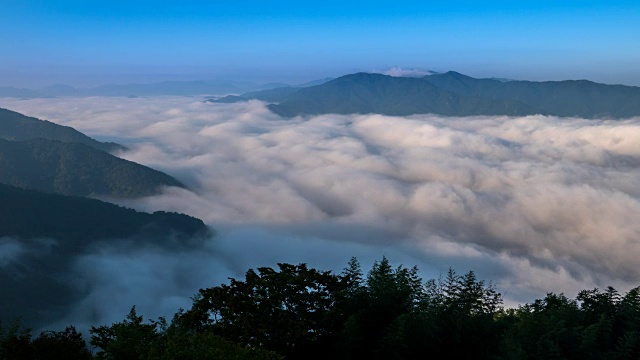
(364, 93)
(52, 230)
(75, 169)
(15, 126)
(77, 221)
(580, 98)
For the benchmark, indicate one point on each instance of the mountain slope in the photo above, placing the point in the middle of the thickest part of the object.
(580, 98)
(76, 221)
(43, 235)
(15, 126)
(451, 94)
(365, 93)
(75, 169)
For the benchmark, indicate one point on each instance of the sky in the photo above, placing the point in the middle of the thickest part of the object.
(88, 43)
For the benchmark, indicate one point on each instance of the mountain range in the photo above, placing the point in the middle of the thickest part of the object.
(165, 88)
(450, 94)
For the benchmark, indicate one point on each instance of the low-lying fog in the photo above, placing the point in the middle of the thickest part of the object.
(535, 204)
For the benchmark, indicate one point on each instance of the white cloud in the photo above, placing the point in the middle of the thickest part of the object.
(397, 71)
(535, 203)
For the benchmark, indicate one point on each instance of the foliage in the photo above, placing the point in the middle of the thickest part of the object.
(16, 343)
(66, 344)
(133, 339)
(298, 312)
(293, 311)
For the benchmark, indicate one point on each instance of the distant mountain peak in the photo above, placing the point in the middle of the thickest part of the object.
(451, 74)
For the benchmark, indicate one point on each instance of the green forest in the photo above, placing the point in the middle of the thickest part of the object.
(297, 312)
(76, 169)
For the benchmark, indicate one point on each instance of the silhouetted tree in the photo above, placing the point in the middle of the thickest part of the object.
(61, 345)
(292, 311)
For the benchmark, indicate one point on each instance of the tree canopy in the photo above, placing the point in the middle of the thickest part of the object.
(294, 311)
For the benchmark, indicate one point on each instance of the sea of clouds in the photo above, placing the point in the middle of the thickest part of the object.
(535, 204)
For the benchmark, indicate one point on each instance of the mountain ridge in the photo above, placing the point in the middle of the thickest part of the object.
(76, 169)
(364, 93)
(52, 232)
(451, 94)
(16, 126)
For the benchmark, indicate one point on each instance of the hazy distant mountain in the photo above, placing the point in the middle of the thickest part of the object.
(272, 95)
(15, 126)
(76, 169)
(47, 232)
(10, 91)
(451, 94)
(60, 90)
(178, 88)
(165, 88)
(269, 86)
(364, 93)
(579, 98)
(269, 95)
(314, 82)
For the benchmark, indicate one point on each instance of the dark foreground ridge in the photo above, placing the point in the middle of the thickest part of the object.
(76, 169)
(49, 231)
(296, 312)
(451, 94)
(15, 126)
(27, 214)
(40, 155)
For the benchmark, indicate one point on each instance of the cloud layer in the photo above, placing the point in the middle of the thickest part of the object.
(404, 72)
(535, 203)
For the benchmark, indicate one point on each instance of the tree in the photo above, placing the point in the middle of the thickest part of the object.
(61, 345)
(461, 316)
(15, 343)
(293, 311)
(126, 340)
(376, 326)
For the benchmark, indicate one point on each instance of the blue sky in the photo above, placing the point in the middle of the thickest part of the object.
(119, 41)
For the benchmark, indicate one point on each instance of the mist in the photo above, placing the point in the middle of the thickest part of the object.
(535, 204)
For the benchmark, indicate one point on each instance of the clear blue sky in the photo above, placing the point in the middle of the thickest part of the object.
(54, 40)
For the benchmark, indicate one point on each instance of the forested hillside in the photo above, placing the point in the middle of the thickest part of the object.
(42, 234)
(15, 126)
(76, 169)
